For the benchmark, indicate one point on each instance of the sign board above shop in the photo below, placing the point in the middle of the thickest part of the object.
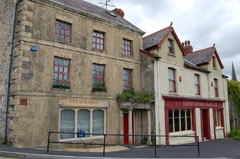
(178, 103)
(83, 103)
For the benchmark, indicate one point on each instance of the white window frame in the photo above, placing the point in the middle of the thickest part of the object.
(75, 127)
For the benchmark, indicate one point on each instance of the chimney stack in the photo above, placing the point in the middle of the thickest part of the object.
(119, 12)
(187, 47)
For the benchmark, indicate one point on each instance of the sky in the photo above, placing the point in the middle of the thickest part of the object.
(203, 22)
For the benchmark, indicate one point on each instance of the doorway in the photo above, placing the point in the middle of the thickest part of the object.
(126, 127)
(206, 124)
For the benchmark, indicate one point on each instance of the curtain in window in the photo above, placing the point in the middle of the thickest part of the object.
(67, 123)
(83, 122)
(98, 122)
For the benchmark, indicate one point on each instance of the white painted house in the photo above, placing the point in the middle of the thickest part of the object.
(190, 91)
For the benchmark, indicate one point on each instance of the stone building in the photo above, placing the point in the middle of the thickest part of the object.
(190, 91)
(69, 61)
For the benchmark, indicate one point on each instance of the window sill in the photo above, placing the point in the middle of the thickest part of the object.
(219, 128)
(61, 87)
(172, 54)
(62, 42)
(82, 139)
(189, 132)
(174, 93)
(99, 50)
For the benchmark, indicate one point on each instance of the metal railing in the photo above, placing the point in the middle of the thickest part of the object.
(104, 144)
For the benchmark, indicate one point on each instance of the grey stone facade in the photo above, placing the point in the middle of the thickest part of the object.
(6, 15)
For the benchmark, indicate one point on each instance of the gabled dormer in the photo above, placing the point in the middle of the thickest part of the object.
(206, 58)
(165, 44)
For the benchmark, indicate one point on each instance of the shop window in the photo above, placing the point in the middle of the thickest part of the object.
(67, 123)
(98, 82)
(98, 40)
(197, 84)
(170, 46)
(215, 86)
(98, 122)
(63, 31)
(172, 80)
(83, 121)
(87, 122)
(61, 73)
(179, 120)
(218, 117)
(127, 79)
(127, 47)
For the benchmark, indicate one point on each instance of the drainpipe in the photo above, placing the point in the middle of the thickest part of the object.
(9, 73)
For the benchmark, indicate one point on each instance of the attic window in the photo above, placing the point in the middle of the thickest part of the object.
(170, 46)
(214, 61)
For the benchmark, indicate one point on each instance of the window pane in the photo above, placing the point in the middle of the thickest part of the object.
(171, 74)
(67, 123)
(170, 120)
(65, 69)
(171, 86)
(189, 124)
(56, 68)
(55, 76)
(98, 122)
(183, 120)
(176, 119)
(65, 77)
(83, 123)
(62, 38)
(60, 76)
(57, 37)
(60, 69)
(196, 79)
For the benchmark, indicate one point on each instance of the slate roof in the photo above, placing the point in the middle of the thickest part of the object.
(194, 66)
(201, 56)
(84, 6)
(155, 38)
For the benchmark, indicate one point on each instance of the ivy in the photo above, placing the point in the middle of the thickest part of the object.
(234, 92)
(132, 95)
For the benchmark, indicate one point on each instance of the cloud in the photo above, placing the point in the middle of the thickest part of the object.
(204, 22)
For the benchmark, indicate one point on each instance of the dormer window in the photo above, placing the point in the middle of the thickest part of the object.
(170, 46)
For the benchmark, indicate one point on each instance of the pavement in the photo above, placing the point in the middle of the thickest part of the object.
(224, 148)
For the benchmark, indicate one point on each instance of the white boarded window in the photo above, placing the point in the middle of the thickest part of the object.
(67, 123)
(83, 123)
(98, 122)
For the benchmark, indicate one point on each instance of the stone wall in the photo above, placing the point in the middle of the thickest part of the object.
(34, 103)
(6, 15)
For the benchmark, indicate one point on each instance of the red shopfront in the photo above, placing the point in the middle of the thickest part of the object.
(180, 106)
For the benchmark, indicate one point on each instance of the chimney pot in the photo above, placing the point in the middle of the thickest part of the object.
(119, 12)
(188, 48)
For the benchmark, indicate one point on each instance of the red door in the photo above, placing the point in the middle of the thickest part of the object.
(125, 128)
(206, 124)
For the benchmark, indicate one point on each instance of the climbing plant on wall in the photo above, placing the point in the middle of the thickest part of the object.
(234, 92)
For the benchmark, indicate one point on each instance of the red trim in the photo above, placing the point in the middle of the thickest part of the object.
(222, 123)
(201, 116)
(98, 40)
(65, 27)
(214, 120)
(166, 127)
(157, 32)
(147, 54)
(127, 47)
(127, 79)
(194, 122)
(63, 67)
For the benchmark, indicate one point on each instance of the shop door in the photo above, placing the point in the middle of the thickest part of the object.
(206, 124)
(126, 128)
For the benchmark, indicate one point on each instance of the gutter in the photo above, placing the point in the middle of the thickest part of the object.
(9, 73)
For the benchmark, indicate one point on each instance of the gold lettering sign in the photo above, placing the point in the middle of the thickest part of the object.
(83, 103)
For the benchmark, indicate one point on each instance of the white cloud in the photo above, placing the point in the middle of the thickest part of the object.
(204, 22)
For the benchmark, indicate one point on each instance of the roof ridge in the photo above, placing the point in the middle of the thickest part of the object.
(157, 32)
(190, 62)
(203, 49)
